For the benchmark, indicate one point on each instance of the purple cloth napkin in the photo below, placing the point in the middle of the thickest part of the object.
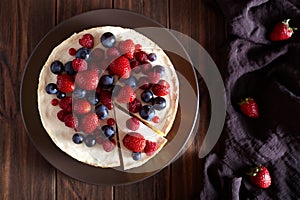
(270, 73)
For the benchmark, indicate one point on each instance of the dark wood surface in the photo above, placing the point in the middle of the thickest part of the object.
(25, 174)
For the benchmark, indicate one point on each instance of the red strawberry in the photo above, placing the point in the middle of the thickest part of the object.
(126, 94)
(133, 124)
(65, 83)
(126, 46)
(87, 41)
(134, 142)
(249, 107)
(105, 99)
(109, 145)
(120, 67)
(89, 122)
(162, 88)
(62, 114)
(87, 80)
(71, 121)
(79, 64)
(281, 31)
(260, 176)
(134, 106)
(141, 56)
(150, 147)
(82, 106)
(66, 103)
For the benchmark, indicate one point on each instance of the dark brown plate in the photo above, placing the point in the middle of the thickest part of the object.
(184, 124)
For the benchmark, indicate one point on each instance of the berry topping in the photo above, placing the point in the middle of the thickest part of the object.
(108, 39)
(111, 122)
(126, 46)
(51, 88)
(134, 142)
(134, 106)
(150, 147)
(71, 121)
(66, 104)
(54, 102)
(79, 93)
(79, 64)
(144, 83)
(146, 67)
(126, 94)
(120, 67)
(159, 69)
(97, 54)
(147, 96)
(89, 122)
(77, 138)
(82, 106)
(156, 119)
(141, 56)
(282, 31)
(133, 124)
(83, 53)
(57, 67)
(87, 80)
(147, 112)
(61, 115)
(106, 81)
(138, 47)
(109, 145)
(249, 107)
(61, 95)
(69, 68)
(72, 51)
(108, 131)
(90, 140)
(162, 88)
(152, 57)
(134, 64)
(87, 41)
(105, 99)
(112, 52)
(260, 176)
(153, 77)
(136, 156)
(65, 83)
(159, 103)
(102, 112)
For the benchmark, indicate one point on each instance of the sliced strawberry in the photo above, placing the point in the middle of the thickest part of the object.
(71, 121)
(162, 88)
(87, 80)
(89, 122)
(79, 64)
(134, 142)
(133, 124)
(65, 83)
(87, 41)
(150, 147)
(120, 67)
(82, 106)
(126, 94)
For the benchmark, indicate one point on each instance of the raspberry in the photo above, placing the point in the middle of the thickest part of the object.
(54, 102)
(141, 56)
(134, 106)
(109, 145)
(150, 147)
(133, 124)
(87, 80)
(89, 122)
(62, 114)
(65, 83)
(66, 104)
(112, 52)
(134, 141)
(111, 122)
(87, 41)
(133, 64)
(79, 64)
(71, 121)
(105, 99)
(72, 51)
(126, 94)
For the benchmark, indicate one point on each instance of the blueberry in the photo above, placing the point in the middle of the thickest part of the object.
(57, 67)
(102, 112)
(61, 95)
(79, 93)
(147, 112)
(83, 53)
(152, 57)
(90, 140)
(92, 98)
(108, 39)
(136, 156)
(69, 69)
(106, 81)
(131, 81)
(159, 69)
(51, 88)
(159, 103)
(108, 131)
(147, 96)
(77, 138)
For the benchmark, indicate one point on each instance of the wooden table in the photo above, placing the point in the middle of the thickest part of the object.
(25, 174)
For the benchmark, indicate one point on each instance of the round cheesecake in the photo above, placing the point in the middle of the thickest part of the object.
(96, 73)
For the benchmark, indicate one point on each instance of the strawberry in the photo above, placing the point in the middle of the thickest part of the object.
(120, 67)
(162, 88)
(71, 120)
(109, 145)
(133, 124)
(105, 99)
(66, 103)
(150, 147)
(126, 94)
(134, 142)
(141, 56)
(79, 64)
(281, 31)
(87, 80)
(89, 122)
(249, 107)
(82, 106)
(65, 83)
(87, 41)
(260, 176)
(134, 106)
(126, 46)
